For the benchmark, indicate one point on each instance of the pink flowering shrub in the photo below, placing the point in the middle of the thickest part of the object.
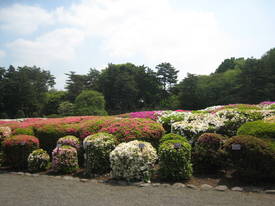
(17, 149)
(135, 129)
(69, 140)
(64, 159)
(145, 114)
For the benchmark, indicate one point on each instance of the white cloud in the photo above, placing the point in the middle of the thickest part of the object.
(58, 45)
(23, 19)
(154, 30)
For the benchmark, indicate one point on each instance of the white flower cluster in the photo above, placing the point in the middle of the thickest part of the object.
(38, 160)
(212, 108)
(169, 117)
(195, 124)
(133, 160)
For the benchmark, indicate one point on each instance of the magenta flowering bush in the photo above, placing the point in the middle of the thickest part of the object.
(64, 159)
(145, 114)
(69, 140)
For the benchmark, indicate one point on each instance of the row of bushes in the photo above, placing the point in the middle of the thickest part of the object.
(252, 157)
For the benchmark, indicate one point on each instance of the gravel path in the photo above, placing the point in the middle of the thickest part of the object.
(18, 190)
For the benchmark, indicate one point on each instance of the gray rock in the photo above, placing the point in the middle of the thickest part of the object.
(155, 184)
(221, 188)
(121, 182)
(144, 185)
(206, 187)
(254, 189)
(83, 180)
(179, 185)
(192, 186)
(20, 173)
(164, 185)
(68, 178)
(237, 189)
(270, 192)
(35, 175)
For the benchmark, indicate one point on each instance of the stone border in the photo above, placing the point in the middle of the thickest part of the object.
(178, 185)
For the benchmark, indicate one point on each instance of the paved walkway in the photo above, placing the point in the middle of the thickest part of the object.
(16, 190)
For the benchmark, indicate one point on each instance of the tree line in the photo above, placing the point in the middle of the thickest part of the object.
(120, 88)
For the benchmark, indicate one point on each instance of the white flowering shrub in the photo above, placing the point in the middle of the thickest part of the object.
(97, 150)
(133, 160)
(38, 160)
(167, 118)
(196, 124)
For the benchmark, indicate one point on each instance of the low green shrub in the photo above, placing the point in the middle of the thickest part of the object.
(133, 160)
(175, 160)
(26, 131)
(17, 149)
(69, 140)
(64, 159)
(253, 158)
(261, 129)
(97, 149)
(172, 136)
(38, 160)
(208, 154)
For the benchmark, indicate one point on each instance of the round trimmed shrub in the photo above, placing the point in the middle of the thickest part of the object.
(38, 160)
(17, 149)
(133, 160)
(70, 141)
(98, 148)
(254, 158)
(172, 136)
(261, 129)
(208, 154)
(64, 159)
(175, 160)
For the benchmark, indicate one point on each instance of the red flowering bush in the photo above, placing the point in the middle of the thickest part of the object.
(17, 149)
(208, 154)
(135, 129)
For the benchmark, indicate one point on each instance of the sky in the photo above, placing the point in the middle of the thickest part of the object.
(76, 35)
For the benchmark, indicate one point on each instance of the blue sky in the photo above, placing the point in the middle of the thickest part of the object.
(75, 35)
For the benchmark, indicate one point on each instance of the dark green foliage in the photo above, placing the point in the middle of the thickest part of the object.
(208, 155)
(49, 134)
(259, 129)
(17, 149)
(172, 136)
(89, 102)
(255, 160)
(23, 90)
(65, 108)
(175, 160)
(54, 99)
(98, 148)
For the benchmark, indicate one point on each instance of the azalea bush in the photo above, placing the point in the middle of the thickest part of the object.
(167, 118)
(254, 158)
(208, 154)
(145, 114)
(38, 160)
(25, 130)
(175, 160)
(97, 149)
(126, 130)
(69, 140)
(64, 159)
(17, 149)
(133, 160)
(172, 136)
